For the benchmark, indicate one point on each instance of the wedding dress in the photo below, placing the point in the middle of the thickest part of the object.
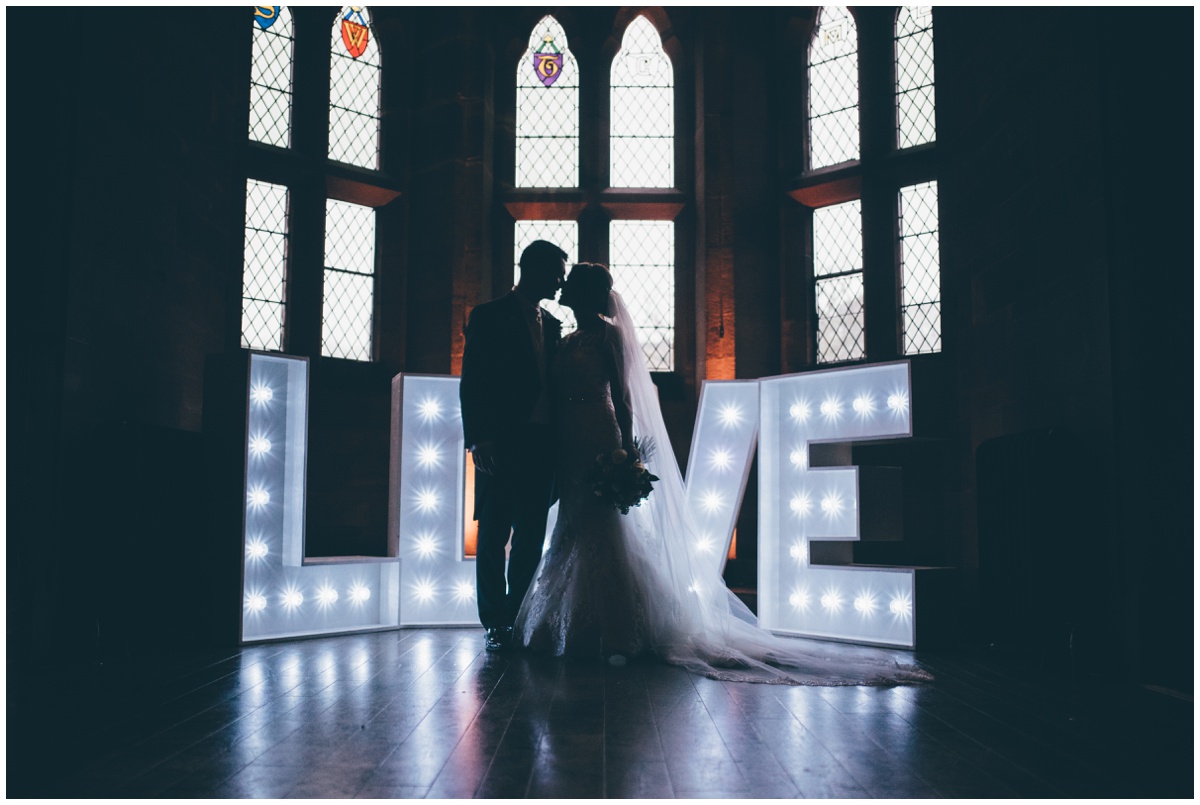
(617, 586)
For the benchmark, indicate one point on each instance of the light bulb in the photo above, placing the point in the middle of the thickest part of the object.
(721, 459)
(261, 394)
(259, 446)
(730, 414)
(360, 594)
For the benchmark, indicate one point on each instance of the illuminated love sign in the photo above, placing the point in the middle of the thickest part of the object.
(434, 582)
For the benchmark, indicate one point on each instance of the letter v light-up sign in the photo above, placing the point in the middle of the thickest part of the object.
(722, 448)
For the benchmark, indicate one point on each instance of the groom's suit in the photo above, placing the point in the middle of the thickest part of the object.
(505, 398)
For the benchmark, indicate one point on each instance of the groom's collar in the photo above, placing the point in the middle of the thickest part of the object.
(524, 301)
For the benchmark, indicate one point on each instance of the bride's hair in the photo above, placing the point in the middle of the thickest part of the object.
(595, 284)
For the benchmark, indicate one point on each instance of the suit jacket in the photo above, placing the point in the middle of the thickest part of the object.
(500, 380)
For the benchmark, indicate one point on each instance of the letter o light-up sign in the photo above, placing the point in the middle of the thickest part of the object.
(437, 583)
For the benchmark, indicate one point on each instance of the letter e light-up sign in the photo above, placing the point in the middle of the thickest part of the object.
(798, 504)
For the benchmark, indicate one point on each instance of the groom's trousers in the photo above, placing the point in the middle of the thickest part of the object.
(513, 499)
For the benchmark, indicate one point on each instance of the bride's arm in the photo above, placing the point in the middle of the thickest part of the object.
(619, 384)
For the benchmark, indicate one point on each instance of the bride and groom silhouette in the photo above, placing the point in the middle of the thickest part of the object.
(537, 411)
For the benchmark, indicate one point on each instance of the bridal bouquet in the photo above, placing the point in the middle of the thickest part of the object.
(622, 480)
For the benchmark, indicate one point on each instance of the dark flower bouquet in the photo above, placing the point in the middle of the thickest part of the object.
(620, 479)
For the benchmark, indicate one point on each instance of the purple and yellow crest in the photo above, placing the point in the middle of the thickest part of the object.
(265, 16)
(355, 33)
(548, 62)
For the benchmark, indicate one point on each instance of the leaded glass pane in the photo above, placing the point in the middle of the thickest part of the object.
(642, 111)
(920, 269)
(837, 267)
(914, 76)
(833, 89)
(354, 80)
(642, 260)
(840, 319)
(271, 77)
(349, 287)
(564, 235)
(547, 110)
(837, 239)
(264, 265)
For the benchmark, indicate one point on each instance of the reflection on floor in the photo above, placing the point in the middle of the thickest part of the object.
(426, 713)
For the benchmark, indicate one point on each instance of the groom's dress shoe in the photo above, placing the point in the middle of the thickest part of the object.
(497, 639)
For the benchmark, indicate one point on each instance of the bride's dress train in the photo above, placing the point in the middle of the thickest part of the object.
(612, 584)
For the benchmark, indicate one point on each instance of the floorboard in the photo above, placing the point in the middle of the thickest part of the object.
(427, 713)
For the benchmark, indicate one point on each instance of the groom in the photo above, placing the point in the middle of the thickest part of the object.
(506, 425)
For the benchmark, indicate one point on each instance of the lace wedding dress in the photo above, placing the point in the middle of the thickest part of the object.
(625, 585)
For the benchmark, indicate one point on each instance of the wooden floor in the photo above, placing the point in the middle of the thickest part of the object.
(426, 713)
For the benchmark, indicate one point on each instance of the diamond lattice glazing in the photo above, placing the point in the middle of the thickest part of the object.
(349, 287)
(833, 89)
(920, 269)
(354, 95)
(547, 115)
(840, 319)
(564, 235)
(642, 111)
(837, 239)
(642, 259)
(271, 82)
(915, 105)
(837, 266)
(264, 265)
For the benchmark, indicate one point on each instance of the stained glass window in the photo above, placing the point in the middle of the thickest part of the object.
(920, 269)
(837, 269)
(833, 89)
(914, 76)
(547, 110)
(264, 265)
(642, 260)
(349, 290)
(564, 235)
(642, 111)
(271, 77)
(354, 77)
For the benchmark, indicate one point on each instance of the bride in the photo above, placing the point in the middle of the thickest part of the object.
(616, 586)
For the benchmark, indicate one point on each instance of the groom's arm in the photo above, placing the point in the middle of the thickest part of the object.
(478, 381)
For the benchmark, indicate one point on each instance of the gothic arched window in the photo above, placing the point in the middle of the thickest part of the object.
(354, 83)
(833, 89)
(547, 110)
(914, 76)
(869, 214)
(271, 77)
(330, 280)
(642, 111)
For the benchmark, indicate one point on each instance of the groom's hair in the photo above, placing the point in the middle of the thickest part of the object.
(541, 255)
